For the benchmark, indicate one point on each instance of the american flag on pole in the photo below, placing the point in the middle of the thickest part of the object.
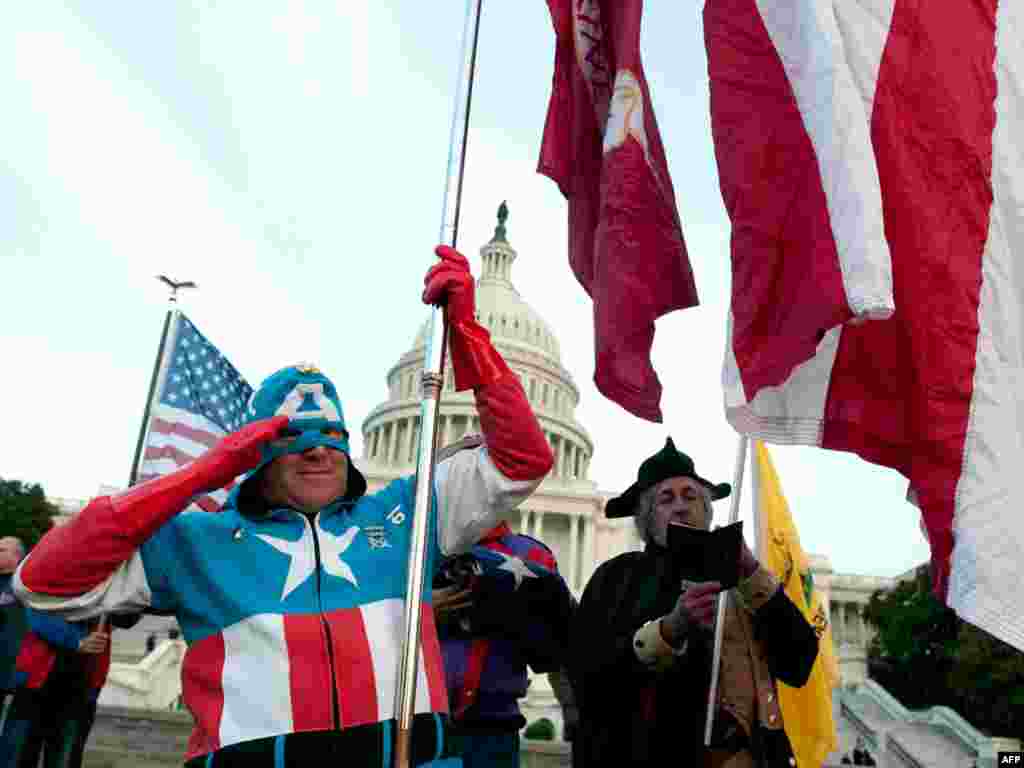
(865, 147)
(200, 397)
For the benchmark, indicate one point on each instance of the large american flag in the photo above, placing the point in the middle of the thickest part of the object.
(870, 160)
(201, 398)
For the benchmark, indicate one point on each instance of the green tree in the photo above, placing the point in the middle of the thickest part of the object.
(990, 679)
(24, 511)
(927, 656)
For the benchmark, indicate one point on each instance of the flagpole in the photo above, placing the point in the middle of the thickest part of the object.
(760, 524)
(716, 659)
(432, 383)
(159, 371)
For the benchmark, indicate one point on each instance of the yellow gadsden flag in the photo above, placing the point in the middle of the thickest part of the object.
(806, 711)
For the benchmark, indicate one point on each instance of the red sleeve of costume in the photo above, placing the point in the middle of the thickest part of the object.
(74, 557)
(515, 442)
(475, 361)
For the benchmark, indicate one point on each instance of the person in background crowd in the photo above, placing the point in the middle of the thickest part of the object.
(640, 659)
(12, 620)
(499, 608)
(61, 669)
(86, 674)
(291, 598)
(48, 692)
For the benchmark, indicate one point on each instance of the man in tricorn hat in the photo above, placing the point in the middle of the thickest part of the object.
(641, 647)
(291, 598)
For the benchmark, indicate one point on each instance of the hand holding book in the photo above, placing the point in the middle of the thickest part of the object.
(702, 556)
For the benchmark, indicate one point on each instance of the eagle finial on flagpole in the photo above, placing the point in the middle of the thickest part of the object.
(175, 286)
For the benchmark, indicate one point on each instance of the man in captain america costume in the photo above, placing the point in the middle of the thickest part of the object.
(291, 598)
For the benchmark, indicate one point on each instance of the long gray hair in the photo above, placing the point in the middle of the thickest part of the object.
(644, 515)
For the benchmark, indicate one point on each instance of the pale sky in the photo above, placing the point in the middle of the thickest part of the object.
(291, 162)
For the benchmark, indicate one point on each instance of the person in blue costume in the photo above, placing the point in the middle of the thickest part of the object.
(500, 607)
(291, 597)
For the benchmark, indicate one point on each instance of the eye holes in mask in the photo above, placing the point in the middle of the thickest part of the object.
(289, 435)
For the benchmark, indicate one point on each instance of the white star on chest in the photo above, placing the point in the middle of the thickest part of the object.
(517, 568)
(302, 555)
(332, 547)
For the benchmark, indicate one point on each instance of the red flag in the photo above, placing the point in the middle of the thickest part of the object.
(832, 125)
(601, 145)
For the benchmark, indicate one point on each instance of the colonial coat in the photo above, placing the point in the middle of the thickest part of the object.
(634, 713)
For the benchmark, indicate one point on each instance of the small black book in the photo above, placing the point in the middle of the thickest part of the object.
(700, 555)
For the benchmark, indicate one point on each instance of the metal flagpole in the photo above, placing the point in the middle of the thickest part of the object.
(716, 659)
(760, 523)
(432, 383)
(159, 369)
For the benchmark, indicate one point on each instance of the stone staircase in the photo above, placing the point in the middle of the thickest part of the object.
(901, 738)
(128, 646)
(135, 738)
(152, 683)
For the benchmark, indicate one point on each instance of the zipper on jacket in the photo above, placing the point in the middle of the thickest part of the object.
(335, 709)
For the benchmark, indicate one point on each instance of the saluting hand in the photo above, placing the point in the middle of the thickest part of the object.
(238, 452)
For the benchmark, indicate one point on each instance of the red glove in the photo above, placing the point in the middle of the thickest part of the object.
(475, 361)
(73, 558)
(236, 453)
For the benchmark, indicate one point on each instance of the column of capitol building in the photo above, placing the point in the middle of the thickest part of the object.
(566, 512)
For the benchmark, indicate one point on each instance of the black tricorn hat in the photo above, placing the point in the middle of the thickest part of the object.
(666, 463)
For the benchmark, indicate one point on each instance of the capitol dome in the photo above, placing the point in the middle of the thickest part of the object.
(525, 340)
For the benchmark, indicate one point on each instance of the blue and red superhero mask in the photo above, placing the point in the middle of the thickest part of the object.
(311, 403)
